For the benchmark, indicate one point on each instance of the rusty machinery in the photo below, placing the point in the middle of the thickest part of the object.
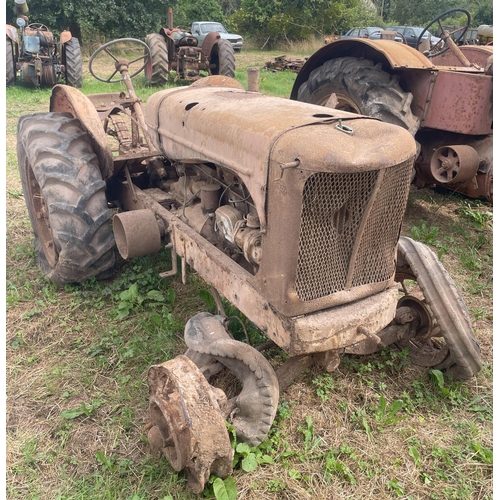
(37, 56)
(175, 49)
(444, 99)
(292, 215)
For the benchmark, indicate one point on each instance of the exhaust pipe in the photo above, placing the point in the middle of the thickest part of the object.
(136, 233)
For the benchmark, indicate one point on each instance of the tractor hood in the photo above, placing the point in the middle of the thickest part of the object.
(248, 133)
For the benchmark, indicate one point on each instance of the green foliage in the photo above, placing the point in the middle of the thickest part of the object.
(269, 23)
(189, 11)
(387, 416)
(334, 465)
(221, 489)
(82, 410)
(474, 212)
(425, 234)
(324, 385)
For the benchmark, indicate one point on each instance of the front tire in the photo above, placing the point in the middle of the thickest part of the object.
(361, 87)
(65, 196)
(73, 63)
(222, 61)
(10, 67)
(156, 70)
(451, 340)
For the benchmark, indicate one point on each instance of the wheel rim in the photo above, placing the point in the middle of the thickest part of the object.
(345, 103)
(41, 216)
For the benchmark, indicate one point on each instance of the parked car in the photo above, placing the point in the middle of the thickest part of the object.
(201, 29)
(411, 34)
(361, 32)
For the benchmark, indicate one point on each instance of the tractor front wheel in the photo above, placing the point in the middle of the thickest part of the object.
(156, 70)
(361, 87)
(73, 62)
(65, 195)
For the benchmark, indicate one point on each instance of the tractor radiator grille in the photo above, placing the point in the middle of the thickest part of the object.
(333, 210)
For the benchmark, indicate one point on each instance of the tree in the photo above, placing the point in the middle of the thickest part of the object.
(189, 11)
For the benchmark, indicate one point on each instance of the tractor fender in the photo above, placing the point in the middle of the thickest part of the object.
(11, 33)
(70, 100)
(210, 40)
(65, 36)
(392, 55)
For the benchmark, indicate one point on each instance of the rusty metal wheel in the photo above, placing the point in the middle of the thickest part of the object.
(186, 422)
(65, 197)
(448, 343)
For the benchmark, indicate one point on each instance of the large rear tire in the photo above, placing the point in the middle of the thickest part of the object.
(451, 340)
(65, 196)
(156, 70)
(10, 68)
(73, 63)
(222, 60)
(361, 87)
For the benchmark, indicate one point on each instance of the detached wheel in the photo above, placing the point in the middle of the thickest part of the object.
(222, 60)
(65, 196)
(10, 67)
(156, 70)
(361, 87)
(449, 344)
(72, 57)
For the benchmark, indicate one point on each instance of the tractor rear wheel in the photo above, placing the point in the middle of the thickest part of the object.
(361, 87)
(65, 196)
(222, 60)
(156, 70)
(73, 62)
(10, 68)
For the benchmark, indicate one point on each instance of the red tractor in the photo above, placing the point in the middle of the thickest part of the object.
(443, 97)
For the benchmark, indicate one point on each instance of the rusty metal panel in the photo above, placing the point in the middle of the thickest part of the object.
(461, 103)
(70, 100)
(476, 54)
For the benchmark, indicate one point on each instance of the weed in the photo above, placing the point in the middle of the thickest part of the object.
(335, 466)
(425, 234)
(309, 444)
(473, 211)
(387, 416)
(324, 386)
(395, 486)
(82, 410)
(276, 485)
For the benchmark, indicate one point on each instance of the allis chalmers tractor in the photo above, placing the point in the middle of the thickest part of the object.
(174, 49)
(445, 100)
(290, 211)
(38, 57)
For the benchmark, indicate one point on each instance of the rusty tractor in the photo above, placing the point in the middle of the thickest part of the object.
(175, 49)
(445, 100)
(290, 211)
(39, 58)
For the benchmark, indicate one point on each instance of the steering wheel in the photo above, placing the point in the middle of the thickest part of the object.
(38, 26)
(120, 64)
(437, 19)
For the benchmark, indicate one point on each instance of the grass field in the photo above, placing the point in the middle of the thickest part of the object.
(376, 428)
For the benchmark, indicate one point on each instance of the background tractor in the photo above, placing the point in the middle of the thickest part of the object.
(174, 49)
(293, 216)
(38, 57)
(443, 98)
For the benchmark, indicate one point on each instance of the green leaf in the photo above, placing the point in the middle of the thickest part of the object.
(415, 454)
(70, 414)
(266, 459)
(243, 448)
(155, 295)
(249, 463)
(220, 491)
(231, 489)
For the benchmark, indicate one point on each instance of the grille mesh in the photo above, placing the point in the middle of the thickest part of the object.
(333, 206)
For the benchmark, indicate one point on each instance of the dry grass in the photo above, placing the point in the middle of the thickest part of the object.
(65, 348)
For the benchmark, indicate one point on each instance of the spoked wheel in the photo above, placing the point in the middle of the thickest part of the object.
(186, 422)
(434, 49)
(448, 342)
